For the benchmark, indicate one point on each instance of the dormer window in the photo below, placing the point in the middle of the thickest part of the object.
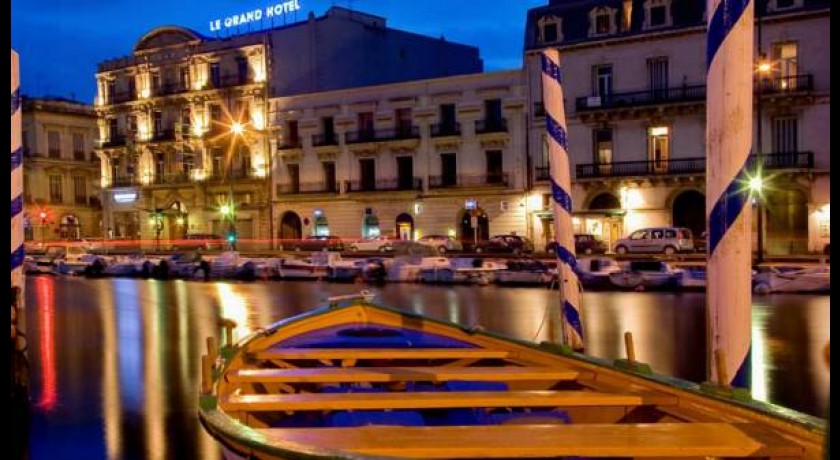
(549, 30)
(783, 5)
(602, 21)
(657, 14)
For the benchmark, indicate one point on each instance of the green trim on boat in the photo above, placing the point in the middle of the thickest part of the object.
(208, 402)
(738, 394)
(635, 366)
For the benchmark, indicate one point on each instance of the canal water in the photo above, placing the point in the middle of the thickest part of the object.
(115, 362)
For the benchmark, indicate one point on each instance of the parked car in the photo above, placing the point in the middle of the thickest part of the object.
(379, 243)
(201, 240)
(508, 244)
(315, 243)
(701, 242)
(442, 243)
(667, 240)
(584, 244)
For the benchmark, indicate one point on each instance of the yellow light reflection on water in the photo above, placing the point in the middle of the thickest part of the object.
(111, 401)
(234, 307)
(155, 421)
(758, 360)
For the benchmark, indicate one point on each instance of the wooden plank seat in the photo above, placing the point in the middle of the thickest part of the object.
(515, 441)
(292, 354)
(436, 400)
(403, 374)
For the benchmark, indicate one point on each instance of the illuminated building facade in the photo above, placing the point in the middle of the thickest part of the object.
(634, 81)
(440, 156)
(61, 171)
(183, 118)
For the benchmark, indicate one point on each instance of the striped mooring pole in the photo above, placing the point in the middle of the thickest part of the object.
(17, 188)
(729, 121)
(561, 183)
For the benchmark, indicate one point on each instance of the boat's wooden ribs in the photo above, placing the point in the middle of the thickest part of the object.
(404, 374)
(291, 354)
(516, 441)
(436, 400)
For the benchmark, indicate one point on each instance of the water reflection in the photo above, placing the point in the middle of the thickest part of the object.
(116, 362)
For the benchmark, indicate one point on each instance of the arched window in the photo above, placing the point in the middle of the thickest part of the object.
(657, 14)
(549, 29)
(602, 21)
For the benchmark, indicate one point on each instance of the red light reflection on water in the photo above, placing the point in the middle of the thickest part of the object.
(46, 316)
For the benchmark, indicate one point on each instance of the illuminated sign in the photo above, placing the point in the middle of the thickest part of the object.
(270, 12)
(129, 197)
(470, 204)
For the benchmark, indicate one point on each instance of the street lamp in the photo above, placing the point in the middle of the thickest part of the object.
(756, 183)
(156, 220)
(228, 212)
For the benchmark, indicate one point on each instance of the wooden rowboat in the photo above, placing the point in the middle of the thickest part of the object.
(356, 380)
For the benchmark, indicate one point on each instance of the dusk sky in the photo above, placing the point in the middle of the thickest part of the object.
(61, 41)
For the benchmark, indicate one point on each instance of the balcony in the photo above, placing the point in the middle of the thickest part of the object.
(116, 140)
(463, 180)
(490, 125)
(321, 140)
(120, 97)
(402, 132)
(446, 129)
(542, 173)
(124, 181)
(163, 135)
(693, 93)
(169, 89)
(680, 166)
(788, 84)
(233, 174)
(227, 81)
(172, 179)
(356, 137)
(307, 187)
(289, 144)
(385, 185)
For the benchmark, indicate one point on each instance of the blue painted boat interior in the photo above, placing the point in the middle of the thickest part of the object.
(367, 336)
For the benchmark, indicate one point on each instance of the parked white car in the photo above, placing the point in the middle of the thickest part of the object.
(442, 243)
(667, 240)
(377, 243)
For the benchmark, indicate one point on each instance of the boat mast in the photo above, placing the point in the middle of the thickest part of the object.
(555, 123)
(729, 108)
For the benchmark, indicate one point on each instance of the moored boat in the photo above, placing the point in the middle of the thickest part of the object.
(356, 380)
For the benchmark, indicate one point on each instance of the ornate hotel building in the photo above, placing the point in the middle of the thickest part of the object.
(438, 156)
(182, 119)
(634, 81)
(61, 171)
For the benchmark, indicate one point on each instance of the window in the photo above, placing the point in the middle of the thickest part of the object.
(80, 190)
(215, 74)
(785, 134)
(157, 123)
(548, 29)
(785, 57)
(447, 118)
(658, 77)
(244, 166)
(132, 87)
(403, 117)
(448, 169)
(602, 142)
(186, 120)
(602, 77)
(184, 78)
(294, 177)
(160, 166)
(601, 21)
(292, 133)
(113, 129)
(365, 122)
(658, 147)
(110, 91)
(330, 184)
(24, 138)
(187, 163)
(367, 173)
(328, 128)
(493, 110)
(132, 125)
(54, 144)
(495, 173)
(639, 235)
(155, 83)
(115, 169)
(405, 173)
(242, 70)
(657, 14)
(218, 161)
(55, 189)
(78, 146)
